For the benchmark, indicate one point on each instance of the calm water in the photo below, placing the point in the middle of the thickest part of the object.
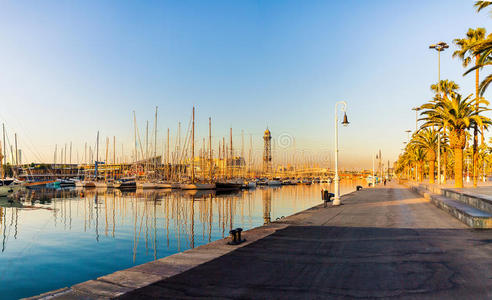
(53, 240)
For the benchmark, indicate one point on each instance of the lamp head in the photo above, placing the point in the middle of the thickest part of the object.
(345, 121)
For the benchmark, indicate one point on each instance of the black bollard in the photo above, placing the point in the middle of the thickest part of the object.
(236, 238)
(359, 187)
(233, 237)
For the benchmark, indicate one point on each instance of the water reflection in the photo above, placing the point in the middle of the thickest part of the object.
(76, 235)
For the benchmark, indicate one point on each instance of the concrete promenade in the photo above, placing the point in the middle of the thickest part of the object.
(385, 242)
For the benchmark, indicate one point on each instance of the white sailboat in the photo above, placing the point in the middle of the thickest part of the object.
(195, 185)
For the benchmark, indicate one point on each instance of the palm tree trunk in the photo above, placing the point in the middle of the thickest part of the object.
(444, 158)
(475, 130)
(432, 165)
(458, 167)
(421, 171)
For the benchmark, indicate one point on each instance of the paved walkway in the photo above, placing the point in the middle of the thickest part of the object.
(383, 242)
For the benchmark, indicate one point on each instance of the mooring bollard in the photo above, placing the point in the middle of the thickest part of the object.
(326, 196)
(359, 187)
(233, 236)
(236, 237)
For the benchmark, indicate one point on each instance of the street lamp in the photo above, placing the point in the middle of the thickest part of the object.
(416, 117)
(408, 134)
(439, 47)
(345, 122)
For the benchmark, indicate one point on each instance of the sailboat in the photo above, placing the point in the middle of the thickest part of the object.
(8, 186)
(231, 184)
(195, 185)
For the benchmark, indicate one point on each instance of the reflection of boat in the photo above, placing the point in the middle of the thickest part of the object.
(227, 186)
(9, 202)
(163, 185)
(9, 186)
(274, 182)
(198, 186)
(199, 193)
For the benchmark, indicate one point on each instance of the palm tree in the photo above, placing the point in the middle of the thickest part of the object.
(427, 139)
(465, 52)
(482, 4)
(448, 87)
(459, 114)
(484, 51)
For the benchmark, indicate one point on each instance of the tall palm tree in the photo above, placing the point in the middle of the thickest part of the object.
(465, 52)
(427, 139)
(460, 115)
(448, 87)
(484, 51)
(481, 4)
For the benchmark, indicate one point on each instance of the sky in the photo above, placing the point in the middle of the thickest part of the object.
(69, 69)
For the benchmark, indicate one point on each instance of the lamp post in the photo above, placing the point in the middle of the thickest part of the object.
(439, 47)
(408, 134)
(416, 117)
(345, 122)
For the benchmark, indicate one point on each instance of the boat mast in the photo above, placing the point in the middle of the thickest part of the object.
(210, 147)
(193, 148)
(155, 138)
(97, 156)
(136, 151)
(224, 158)
(5, 146)
(232, 158)
(1, 165)
(16, 152)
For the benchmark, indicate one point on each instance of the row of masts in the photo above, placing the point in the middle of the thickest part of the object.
(176, 165)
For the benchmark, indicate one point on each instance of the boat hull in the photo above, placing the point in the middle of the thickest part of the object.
(197, 186)
(227, 186)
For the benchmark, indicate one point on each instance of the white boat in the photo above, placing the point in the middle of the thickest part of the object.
(251, 185)
(9, 186)
(197, 186)
(146, 185)
(88, 184)
(100, 184)
(274, 182)
(163, 185)
(79, 183)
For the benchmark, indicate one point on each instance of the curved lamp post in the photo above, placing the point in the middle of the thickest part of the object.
(345, 122)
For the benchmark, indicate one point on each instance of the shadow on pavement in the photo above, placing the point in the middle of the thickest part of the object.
(306, 262)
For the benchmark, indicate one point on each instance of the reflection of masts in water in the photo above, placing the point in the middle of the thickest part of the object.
(210, 219)
(155, 225)
(192, 225)
(16, 218)
(97, 217)
(114, 219)
(106, 214)
(267, 206)
(4, 240)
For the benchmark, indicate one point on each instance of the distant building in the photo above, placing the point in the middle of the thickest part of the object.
(267, 153)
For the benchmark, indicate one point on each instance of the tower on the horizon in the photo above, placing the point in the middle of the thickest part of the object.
(267, 152)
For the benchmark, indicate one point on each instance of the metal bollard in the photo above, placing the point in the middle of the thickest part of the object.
(236, 238)
(233, 237)
(359, 187)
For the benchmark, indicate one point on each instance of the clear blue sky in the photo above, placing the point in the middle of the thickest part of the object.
(71, 68)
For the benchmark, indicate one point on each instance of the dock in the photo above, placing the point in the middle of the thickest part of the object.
(383, 242)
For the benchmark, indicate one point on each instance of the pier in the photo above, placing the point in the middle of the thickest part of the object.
(386, 241)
